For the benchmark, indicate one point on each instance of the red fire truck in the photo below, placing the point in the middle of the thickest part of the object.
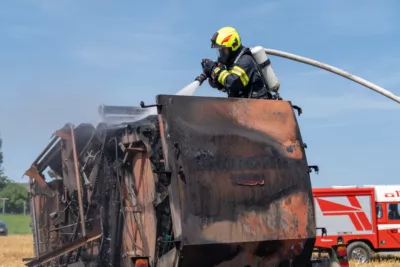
(366, 217)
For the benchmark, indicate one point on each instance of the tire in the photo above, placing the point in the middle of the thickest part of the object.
(359, 251)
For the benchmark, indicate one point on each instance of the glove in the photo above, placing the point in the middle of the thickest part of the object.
(208, 66)
(217, 71)
(216, 85)
(213, 81)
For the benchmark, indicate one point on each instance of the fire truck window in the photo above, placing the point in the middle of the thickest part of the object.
(379, 211)
(393, 211)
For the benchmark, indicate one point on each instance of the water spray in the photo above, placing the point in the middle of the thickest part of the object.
(120, 114)
(136, 113)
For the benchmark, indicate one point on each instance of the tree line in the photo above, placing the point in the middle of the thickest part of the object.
(16, 194)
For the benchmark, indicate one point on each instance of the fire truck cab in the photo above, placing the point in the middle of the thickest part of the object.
(368, 218)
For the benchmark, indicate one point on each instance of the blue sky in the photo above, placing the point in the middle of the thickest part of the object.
(59, 60)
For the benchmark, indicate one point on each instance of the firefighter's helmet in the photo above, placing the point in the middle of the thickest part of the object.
(226, 41)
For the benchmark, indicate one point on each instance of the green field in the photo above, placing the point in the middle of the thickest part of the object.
(18, 224)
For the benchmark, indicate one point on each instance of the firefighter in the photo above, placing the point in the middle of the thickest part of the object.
(235, 72)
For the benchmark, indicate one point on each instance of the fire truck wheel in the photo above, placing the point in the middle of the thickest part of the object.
(359, 251)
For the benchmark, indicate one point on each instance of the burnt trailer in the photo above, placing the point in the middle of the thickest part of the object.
(205, 182)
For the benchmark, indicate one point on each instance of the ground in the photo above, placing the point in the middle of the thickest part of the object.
(19, 244)
(15, 247)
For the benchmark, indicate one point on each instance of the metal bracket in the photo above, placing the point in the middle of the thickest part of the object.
(313, 167)
(299, 110)
(277, 96)
(143, 105)
(323, 230)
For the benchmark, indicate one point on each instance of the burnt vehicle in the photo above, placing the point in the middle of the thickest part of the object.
(202, 182)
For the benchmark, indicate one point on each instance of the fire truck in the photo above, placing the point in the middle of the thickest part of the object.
(366, 217)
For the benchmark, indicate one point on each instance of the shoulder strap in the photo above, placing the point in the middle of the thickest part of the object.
(259, 70)
(244, 50)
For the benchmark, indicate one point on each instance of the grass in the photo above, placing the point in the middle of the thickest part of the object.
(16, 247)
(18, 224)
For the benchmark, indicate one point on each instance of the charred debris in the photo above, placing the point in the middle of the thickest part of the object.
(204, 182)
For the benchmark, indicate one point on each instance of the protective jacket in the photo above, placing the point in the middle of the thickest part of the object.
(242, 77)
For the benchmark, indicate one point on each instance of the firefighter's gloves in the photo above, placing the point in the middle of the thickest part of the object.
(212, 70)
(217, 71)
(216, 85)
(208, 66)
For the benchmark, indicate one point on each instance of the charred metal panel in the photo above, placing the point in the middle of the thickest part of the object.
(207, 182)
(53, 159)
(146, 222)
(68, 172)
(83, 133)
(173, 192)
(240, 169)
(45, 204)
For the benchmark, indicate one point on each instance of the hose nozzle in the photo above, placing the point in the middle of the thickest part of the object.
(201, 78)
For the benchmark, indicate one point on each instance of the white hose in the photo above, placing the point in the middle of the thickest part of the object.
(340, 72)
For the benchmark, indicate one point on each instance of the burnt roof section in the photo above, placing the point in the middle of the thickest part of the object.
(51, 155)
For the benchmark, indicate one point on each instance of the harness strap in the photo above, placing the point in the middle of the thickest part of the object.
(265, 63)
(263, 91)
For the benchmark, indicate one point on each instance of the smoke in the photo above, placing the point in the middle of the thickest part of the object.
(29, 119)
(44, 110)
(188, 90)
(32, 117)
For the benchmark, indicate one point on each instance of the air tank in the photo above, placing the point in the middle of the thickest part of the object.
(265, 66)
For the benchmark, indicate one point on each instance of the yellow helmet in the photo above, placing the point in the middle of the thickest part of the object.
(227, 41)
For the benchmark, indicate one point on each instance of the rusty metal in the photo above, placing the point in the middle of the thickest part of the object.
(33, 173)
(63, 134)
(27, 259)
(34, 221)
(70, 247)
(78, 180)
(206, 182)
(244, 164)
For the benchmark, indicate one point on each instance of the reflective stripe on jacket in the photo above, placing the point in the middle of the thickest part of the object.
(242, 77)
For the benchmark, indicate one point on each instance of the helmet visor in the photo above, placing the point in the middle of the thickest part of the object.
(222, 54)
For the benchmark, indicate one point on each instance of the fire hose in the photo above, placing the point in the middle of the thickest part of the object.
(326, 67)
(335, 70)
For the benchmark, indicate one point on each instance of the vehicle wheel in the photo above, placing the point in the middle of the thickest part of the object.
(359, 251)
